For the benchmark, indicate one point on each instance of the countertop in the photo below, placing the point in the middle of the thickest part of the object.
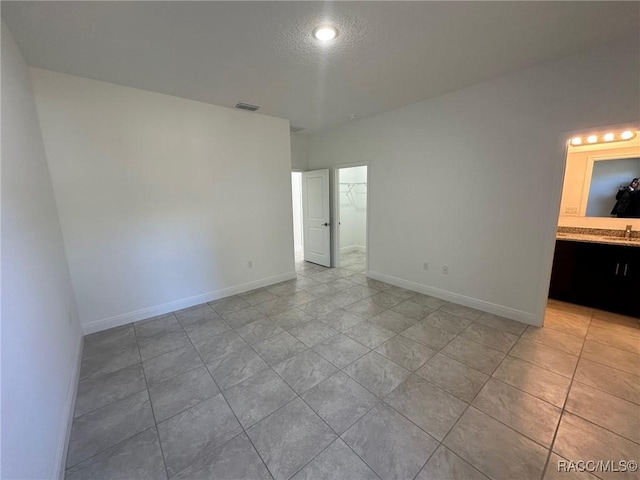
(607, 239)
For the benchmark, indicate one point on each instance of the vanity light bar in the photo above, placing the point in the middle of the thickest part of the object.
(607, 137)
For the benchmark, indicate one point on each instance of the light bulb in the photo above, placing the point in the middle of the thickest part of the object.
(608, 137)
(325, 33)
(576, 141)
(626, 135)
(592, 138)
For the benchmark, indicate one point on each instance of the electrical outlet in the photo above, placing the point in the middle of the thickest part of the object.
(425, 266)
(250, 264)
(445, 270)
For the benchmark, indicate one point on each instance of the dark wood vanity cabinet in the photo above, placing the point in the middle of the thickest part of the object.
(597, 275)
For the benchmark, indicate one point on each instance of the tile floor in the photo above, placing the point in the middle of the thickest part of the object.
(336, 376)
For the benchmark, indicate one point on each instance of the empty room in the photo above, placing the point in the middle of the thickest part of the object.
(320, 240)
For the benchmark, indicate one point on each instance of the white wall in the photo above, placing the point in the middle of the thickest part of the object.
(41, 335)
(299, 157)
(472, 179)
(353, 209)
(163, 201)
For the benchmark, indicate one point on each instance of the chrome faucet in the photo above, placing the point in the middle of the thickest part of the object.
(627, 232)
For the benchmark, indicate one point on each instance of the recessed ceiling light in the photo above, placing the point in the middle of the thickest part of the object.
(352, 116)
(325, 33)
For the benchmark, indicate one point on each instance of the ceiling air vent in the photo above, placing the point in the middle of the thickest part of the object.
(247, 106)
(296, 129)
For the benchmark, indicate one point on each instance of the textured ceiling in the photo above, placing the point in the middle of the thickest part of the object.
(388, 54)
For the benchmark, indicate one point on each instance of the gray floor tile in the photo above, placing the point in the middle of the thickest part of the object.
(194, 433)
(290, 438)
(461, 311)
(428, 301)
(322, 290)
(454, 377)
(541, 383)
(258, 396)
(412, 310)
(235, 460)
(432, 409)
(340, 401)
(260, 330)
(109, 338)
(103, 428)
(391, 445)
(369, 335)
(227, 305)
(274, 307)
(392, 321)
(162, 343)
(235, 367)
(490, 337)
(291, 318)
(493, 448)
(401, 293)
(363, 291)
(545, 357)
(196, 314)
(427, 335)
(473, 354)
(304, 370)
(524, 413)
(344, 298)
(154, 326)
(610, 380)
(318, 308)
(377, 284)
(218, 346)
(446, 465)
(578, 439)
(96, 392)
(254, 297)
(406, 353)
(138, 457)
(340, 350)
(163, 367)
(385, 300)
(278, 348)
(377, 374)
(341, 320)
(555, 339)
(101, 358)
(447, 321)
(612, 357)
(312, 333)
(299, 297)
(502, 323)
(619, 416)
(336, 462)
(365, 308)
(181, 392)
(243, 317)
(198, 331)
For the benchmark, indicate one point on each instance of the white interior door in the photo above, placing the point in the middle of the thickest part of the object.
(315, 217)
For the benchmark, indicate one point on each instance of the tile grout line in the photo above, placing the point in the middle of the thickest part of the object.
(564, 404)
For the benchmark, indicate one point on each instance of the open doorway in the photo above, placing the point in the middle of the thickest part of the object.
(352, 195)
(298, 240)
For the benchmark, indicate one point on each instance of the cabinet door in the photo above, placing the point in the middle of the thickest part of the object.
(630, 290)
(563, 272)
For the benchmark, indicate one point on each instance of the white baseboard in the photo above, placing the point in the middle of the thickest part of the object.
(116, 321)
(507, 312)
(72, 390)
(353, 248)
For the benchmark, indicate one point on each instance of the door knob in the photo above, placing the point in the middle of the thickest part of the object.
(326, 224)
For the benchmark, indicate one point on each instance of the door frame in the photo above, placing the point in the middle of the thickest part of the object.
(334, 180)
